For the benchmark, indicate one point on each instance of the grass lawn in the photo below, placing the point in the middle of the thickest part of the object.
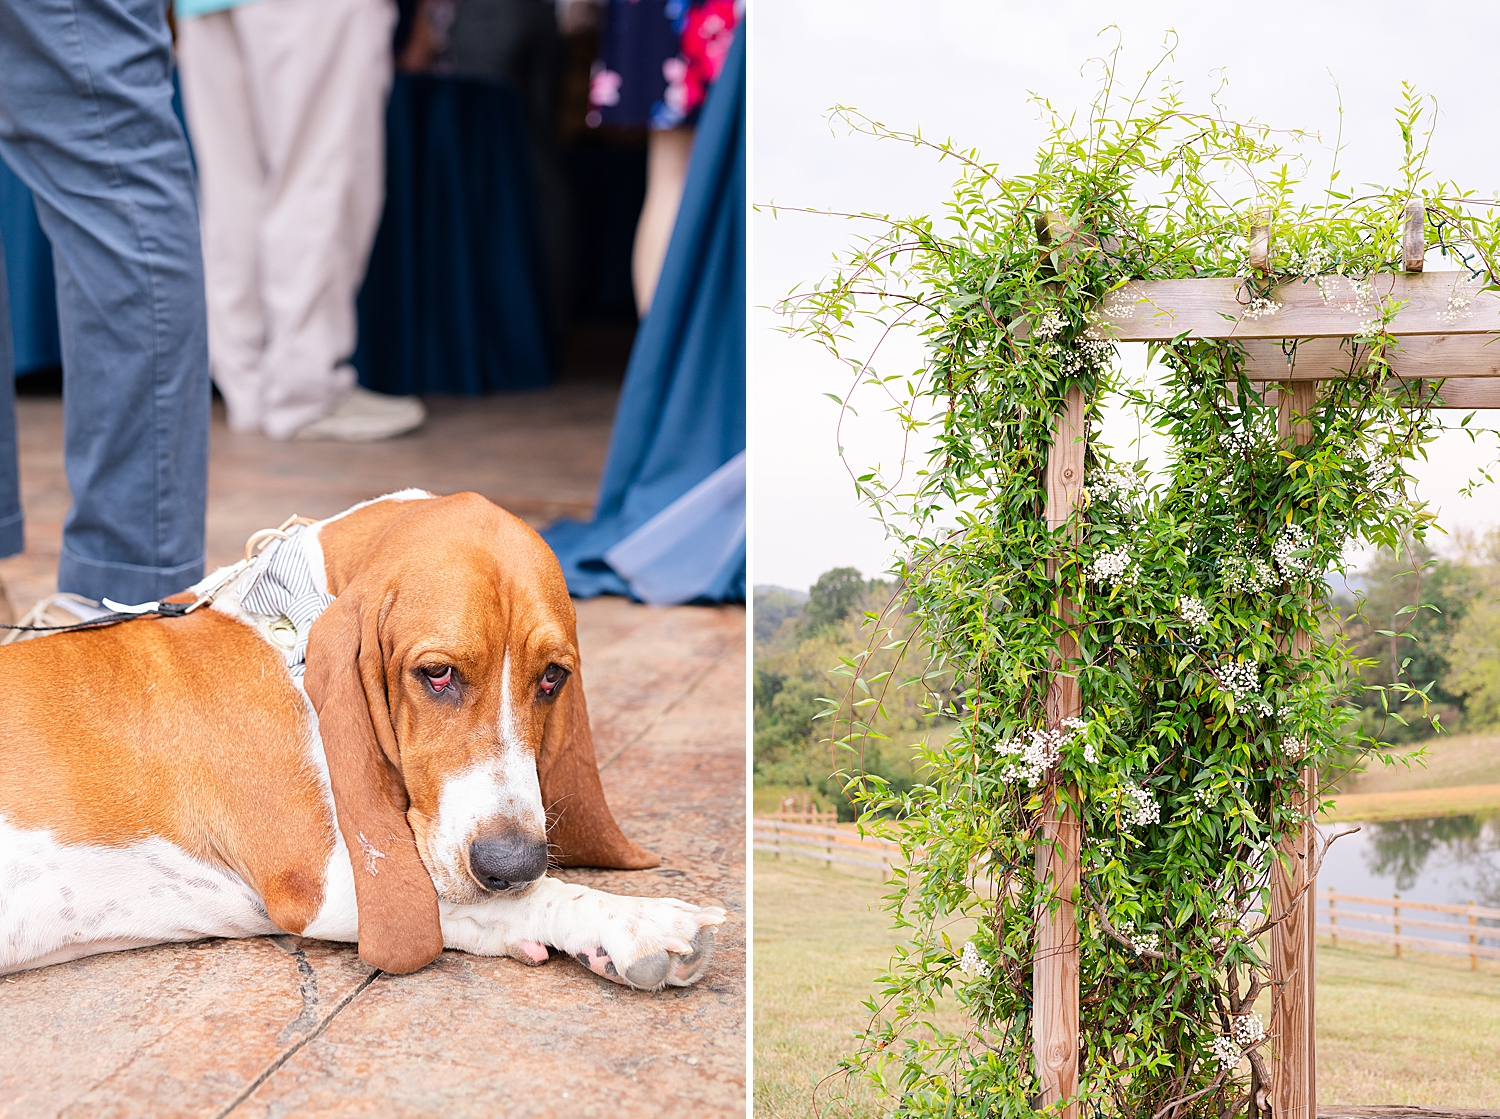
(1463, 759)
(1419, 1030)
(1458, 776)
(820, 941)
(767, 798)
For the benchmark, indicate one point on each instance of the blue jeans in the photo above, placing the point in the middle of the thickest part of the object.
(86, 122)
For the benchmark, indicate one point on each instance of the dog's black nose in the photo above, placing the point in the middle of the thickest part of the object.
(507, 860)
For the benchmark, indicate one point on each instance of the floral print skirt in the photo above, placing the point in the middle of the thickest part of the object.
(658, 59)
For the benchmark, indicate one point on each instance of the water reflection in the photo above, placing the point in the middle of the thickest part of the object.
(1463, 850)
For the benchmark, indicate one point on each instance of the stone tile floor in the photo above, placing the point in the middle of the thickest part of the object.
(282, 1026)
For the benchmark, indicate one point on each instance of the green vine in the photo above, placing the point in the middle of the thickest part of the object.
(1200, 710)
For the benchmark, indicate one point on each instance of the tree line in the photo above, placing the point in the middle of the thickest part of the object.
(1418, 619)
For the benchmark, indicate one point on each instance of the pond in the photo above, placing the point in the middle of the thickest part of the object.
(1448, 859)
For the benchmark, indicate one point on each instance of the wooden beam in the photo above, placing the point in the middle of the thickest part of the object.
(1054, 969)
(1466, 394)
(1294, 1062)
(1326, 307)
(1457, 395)
(1323, 359)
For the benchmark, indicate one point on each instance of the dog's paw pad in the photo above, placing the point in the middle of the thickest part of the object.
(650, 972)
(599, 962)
(529, 952)
(687, 967)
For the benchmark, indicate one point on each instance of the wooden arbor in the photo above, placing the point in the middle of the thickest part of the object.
(1297, 335)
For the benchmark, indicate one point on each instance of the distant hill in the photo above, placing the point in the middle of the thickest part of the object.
(774, 605)
(796, 596)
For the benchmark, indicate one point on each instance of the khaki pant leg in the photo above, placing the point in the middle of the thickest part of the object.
(231, 196)
(319, 73)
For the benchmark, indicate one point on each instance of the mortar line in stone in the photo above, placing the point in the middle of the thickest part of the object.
(270, 1070)
(667, 710)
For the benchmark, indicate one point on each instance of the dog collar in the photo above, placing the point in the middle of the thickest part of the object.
(282, 594)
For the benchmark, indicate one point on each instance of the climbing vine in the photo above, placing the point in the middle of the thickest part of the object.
(1199, 709)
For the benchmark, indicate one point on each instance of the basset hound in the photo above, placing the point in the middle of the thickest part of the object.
(374, 732)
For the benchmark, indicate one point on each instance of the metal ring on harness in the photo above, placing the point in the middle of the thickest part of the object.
(264, 537)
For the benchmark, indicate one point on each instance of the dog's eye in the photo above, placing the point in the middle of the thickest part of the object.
(552, 679)
(439, 676)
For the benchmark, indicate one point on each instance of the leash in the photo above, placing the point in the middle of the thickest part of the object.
(119, 612)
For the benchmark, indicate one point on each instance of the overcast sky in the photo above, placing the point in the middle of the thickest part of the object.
(963, 68)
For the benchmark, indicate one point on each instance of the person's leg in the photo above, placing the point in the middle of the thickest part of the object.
(12, 536)
(319, 73)
(231, 189)
(86, 122)
(667, 155)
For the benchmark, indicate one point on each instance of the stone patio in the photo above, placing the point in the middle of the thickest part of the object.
(282, 1026)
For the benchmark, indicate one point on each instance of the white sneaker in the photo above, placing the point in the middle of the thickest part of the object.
(360, 416)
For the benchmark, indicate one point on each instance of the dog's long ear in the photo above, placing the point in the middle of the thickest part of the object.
(579, 823)
(399, 930)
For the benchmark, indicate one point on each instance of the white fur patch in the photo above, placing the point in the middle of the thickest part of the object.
(60, 901)
(338, 916)
(500, 788)
(575, 919)
(410, 494)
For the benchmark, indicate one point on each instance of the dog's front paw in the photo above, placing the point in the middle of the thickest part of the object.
(650, 943)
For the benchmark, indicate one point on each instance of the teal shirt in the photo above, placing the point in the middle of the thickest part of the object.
(187, 9)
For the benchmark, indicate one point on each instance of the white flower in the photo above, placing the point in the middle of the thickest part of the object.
(1457, 308)
(1240, 678)
(1227, 1053)
(1141, 807)
(1193, 612)
(1142, 942)
(1090, 755)
(1086, 354)
(1284, 555)
(1115, 483)
(1112, 568)
(1260, 308)
(1293, 746)
(1034, 757)
(1120, 305)
(1245, 574)
(1380, 471)
(970, 963)
(1266, 710)
(1247, 1029)
(1050, 325)
(1314, 262)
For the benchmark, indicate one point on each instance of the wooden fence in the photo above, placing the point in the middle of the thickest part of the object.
(804, 810)
(825, 844)
(1471, 930)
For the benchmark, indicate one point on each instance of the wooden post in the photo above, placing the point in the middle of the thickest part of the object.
(1260, 243)
(1293, 940)
(1396, 925)
(1473, 956)
(1054, 970)
(1414, 237)
(1333, 917)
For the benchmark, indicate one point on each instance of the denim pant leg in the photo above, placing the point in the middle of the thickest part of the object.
(12, 540)
(86, 122)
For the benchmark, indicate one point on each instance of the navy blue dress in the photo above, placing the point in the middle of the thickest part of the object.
(658, 58)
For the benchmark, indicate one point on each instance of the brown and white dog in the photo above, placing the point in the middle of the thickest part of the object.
(175, 778)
